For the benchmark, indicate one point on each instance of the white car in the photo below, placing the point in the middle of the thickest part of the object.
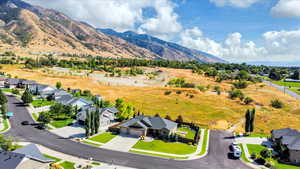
(237, 152)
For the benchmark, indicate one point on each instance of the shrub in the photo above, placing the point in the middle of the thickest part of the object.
(178, 92)
(218, 90)
(266, 153)
(201, 88)
(260, 161)
(168, 92)
(15, 91)
(253, 156)
(240, 84)
(276, 104)
(233, 94)
(248, 100)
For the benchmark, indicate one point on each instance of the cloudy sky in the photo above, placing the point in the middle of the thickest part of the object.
(235, 30)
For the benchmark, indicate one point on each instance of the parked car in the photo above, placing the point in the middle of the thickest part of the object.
(236, 150)
(25, 123)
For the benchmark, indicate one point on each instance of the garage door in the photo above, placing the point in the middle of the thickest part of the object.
(124, 131)
(135, 132)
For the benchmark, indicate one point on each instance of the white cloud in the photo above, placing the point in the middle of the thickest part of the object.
(120, 15)
(286, 8)
(234, 3)
(232, 49)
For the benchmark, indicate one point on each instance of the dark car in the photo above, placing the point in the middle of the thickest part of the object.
(25, 123)
(41, 126)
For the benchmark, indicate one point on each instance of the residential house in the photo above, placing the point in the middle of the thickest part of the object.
(2, 81)
(18, 83)
(11, 83)
(43, 90)
(148, 126)
(290, 139)
(28, 157)
(107, 115)
(74, 101)
(57, 94)
(99, 97)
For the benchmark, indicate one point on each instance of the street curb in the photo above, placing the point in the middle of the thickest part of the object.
(8, 128)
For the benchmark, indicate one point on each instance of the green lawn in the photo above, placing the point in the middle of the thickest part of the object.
(254, 148)
(244, 158)
(5, 123)
(35, 116)
(7, 90)
(41, 103)
(68, 165)
(190, 134)
(53, 158)
(205, 143)
(93, 144)
(61, 123)
(103, 138)
(96, 163)
(295, 90)
(159, 155)
(287, 84)
(165, 147)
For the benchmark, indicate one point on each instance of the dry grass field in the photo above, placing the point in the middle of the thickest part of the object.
(207, 109)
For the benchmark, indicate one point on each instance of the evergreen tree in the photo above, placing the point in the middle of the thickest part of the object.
(26, 97)
(92, 122)
(252, 120)
(3, 99)
(58, 85)
(4, 110)
(97, 121)
(87, 124)
(249, 123)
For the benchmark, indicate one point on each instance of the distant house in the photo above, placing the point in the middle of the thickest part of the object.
(58, 94)
(107, 115)
(18, 83)
(290, 139)
(99, 97)
(28, 157)
(148, 126)
(43, 90)
(11, 83)
(74, 101)
(2, 81)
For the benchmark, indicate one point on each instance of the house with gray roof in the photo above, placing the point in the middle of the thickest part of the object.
(74, 101)
(11, 83)
(290, 139)
(148, 126)
(58, 94)
(28, 157)
(107, 116)
(43, 90)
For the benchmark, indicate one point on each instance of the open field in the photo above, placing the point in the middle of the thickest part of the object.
(206, 109)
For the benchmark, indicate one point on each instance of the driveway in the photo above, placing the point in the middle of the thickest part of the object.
(121, 143)
(73, 131)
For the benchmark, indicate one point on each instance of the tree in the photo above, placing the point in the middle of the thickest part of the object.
(249, 123)
(44, 117)
(275, 75)
(168, 117)
(296, 75)
(4, 110)
(248, 100)
(87, 124)
(58, 85)
(276, 104)
(6, 143)
(97, 121)
(157, 115)
(179, 119)
(92, 122)
(243, 75)
(3, 99)
(26, 97)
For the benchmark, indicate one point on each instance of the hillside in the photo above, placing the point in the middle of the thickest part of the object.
(167, 50)
(33, 29)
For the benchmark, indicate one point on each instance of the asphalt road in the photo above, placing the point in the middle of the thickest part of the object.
(283, 89)
(216, 158)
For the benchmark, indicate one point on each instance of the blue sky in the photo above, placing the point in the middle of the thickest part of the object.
(235, 30)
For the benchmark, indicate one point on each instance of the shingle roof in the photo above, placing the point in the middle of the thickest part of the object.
(289, 137)
(151, 122)
(10, 160)
(113, 110)
(27, 82)
(31, 151)
(12, 81)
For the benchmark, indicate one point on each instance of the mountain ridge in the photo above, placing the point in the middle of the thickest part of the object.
(167, 50)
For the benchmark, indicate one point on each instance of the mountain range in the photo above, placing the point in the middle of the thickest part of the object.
(25, 28)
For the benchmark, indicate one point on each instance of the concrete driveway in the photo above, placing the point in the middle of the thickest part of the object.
(121, 143)
(73, 131)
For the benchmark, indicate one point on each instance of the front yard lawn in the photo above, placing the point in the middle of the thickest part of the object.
(256, 149)
(7, 90)
(166, 147)
(61, 123)
(5, 125)
(41, 103)
(103, 138)
(53, 158)
(205, 143)
(68, 165)
(190, 134)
